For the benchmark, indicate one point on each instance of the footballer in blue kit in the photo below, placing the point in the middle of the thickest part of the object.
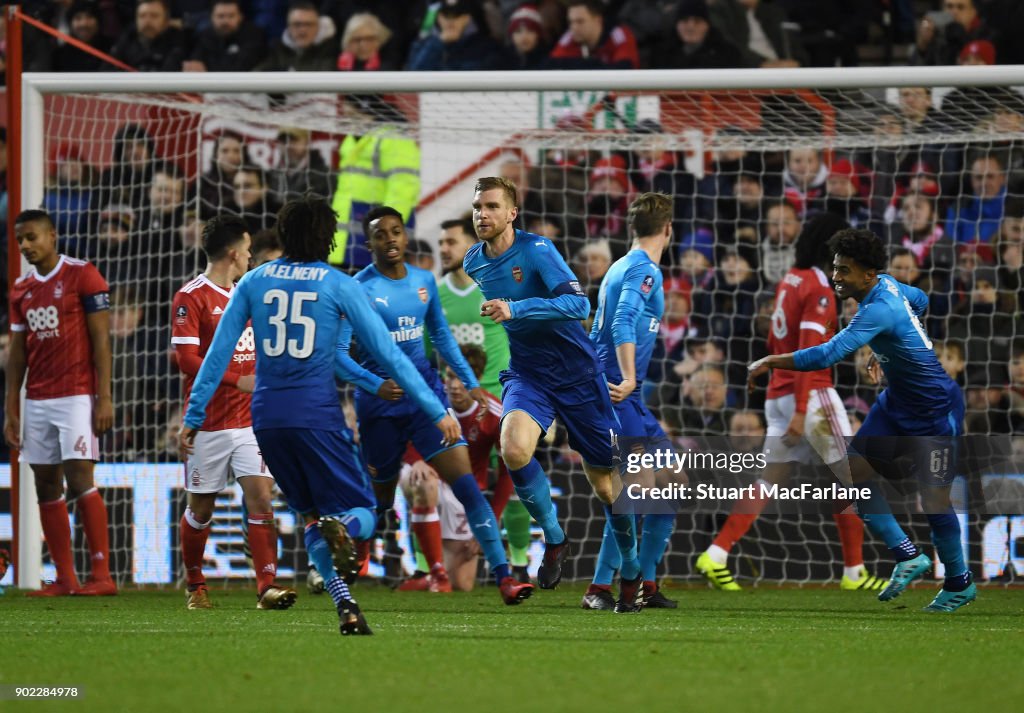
(296, 304)
(553, 370)
(630, 304)
(920, 413)
(406, 298)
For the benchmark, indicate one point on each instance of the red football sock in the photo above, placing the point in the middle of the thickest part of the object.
(427, 527)
(193, 543)
(363, 550)
(57, 531)
(743, 514)
(94, 521)
(263, 543)
(851, 535)
(502, 493)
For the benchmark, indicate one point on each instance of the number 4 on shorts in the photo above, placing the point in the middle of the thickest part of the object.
(81, 447)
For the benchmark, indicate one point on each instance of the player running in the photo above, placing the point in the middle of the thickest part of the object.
(60, 332)
(296, 304)
(807, 421)
(461, 301)
(554, 371)
(406, 298)
(630, 304)
(227, 444)
(919, 414)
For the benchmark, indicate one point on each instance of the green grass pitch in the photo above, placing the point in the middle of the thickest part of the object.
(763, 649)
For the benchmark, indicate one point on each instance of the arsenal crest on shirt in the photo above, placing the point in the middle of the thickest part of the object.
(517, 273)
(424, 295)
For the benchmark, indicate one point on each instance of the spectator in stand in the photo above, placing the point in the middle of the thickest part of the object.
(696, 43)
(655, 167)
(300, 168)
(591, 264)
(724, 307)
(376, 166)
(216, 186)
(652, 23)
(126, 181)
(608, 203)
(153, 44)
(979, 323)
(843, 194)
(84, 26)
(592, 43)
(758, 30)
(366, 46)
(922, 235)
(782, 226)
(675, 324)
(696, 256)
(164, 212)
(830, 30)
(804, 180)
(67, 198)
(531, 203)
(457, 44)
(1009, 251)
(738, 216)
(941, 44)
(976, 218)
(230, 44)
(701, 403)
(951, 356)
(528, 45)
(252, 199)
(903, 266)
(308, 44)
(919, 113)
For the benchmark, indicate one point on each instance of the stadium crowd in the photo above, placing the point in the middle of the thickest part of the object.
(952, 213)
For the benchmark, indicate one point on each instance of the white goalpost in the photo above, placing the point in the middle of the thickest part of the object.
(693, 133)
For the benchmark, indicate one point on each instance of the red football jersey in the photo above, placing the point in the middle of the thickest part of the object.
(196, 311)
(51, 310)
(482, 436)
(804, 316)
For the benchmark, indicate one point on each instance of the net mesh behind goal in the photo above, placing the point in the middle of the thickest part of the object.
(130, 178)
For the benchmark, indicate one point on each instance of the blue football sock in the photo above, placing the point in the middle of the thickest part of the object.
(359, 522)
(657, 531)
(624, 531)
(534, 493)
(609, 558)
(877, 516)
(319, 552)
(946, 538)
(482, 522)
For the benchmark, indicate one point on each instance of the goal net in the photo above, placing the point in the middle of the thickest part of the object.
(131, 167)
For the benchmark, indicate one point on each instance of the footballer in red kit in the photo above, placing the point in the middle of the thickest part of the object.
(60, 336)
(807, 422)
(227, 445)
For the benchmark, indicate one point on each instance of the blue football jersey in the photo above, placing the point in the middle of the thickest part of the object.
(296, 310)
(547, 343)
(629, 309)
(889, 321)
(406, 306)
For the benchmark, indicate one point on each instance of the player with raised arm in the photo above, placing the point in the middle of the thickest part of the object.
(553, 371)
(60, 333)
(227, 444)
(461, 300)
(296, 304)
(807, 421)
(919, 414)
(630, 304)
(406, 298)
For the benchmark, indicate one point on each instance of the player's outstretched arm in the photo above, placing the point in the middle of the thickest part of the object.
(98, 324)
(222, 347)
(373, 336)
(16, 366)
(348, 369)
(569, 302)
(445, 344)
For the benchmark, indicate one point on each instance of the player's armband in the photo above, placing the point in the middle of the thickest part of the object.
(569, 288)
(96, 303)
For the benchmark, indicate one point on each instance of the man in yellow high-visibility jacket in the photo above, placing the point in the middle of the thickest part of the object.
(380, 167)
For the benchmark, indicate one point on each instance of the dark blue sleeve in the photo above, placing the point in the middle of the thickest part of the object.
(443, 341)
(865, 326)
(348, 369)
(373, 335)
(222, 348)
(569, 301)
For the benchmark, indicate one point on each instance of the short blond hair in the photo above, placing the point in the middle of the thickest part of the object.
(490, 183)
(359, 20)
(649, 214)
